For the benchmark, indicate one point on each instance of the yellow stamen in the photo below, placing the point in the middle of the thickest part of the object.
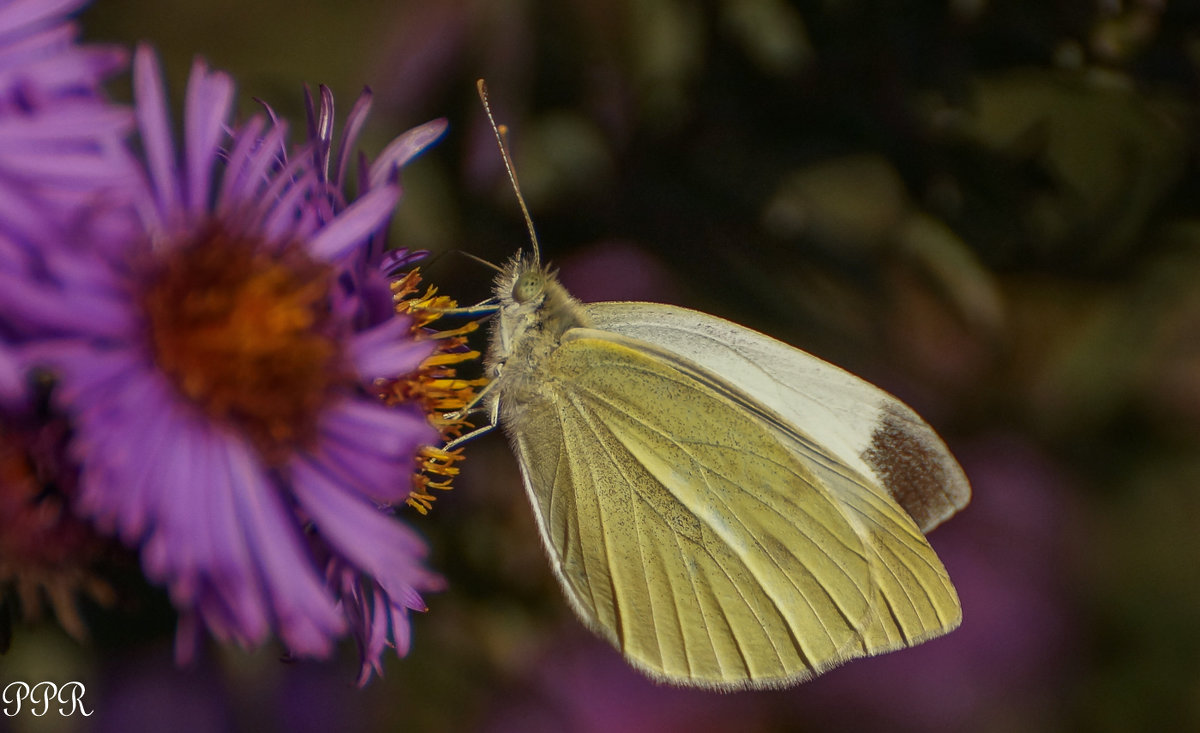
(435, 386)
(443, 359)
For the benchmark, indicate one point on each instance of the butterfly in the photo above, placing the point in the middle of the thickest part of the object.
(728, 511)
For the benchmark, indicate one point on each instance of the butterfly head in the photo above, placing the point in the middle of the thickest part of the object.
(529, 285)
(526, 285)
(532, 301)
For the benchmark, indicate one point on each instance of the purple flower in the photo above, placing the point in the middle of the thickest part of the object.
(61, 145)
(214, 352)
(60, 141)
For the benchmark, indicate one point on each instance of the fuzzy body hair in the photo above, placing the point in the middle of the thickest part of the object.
(527, 331)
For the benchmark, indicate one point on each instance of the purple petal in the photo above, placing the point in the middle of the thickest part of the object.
(367, 538)
(388, 350)
(87, 373)
(378, 468)
(209, 102)
(350, 132)
(30, 304)
(307, 616)
(376, 640)
(398, 259)
(382, 479)
(236, 182)
(354, 225)
(404, 148)
(284, 219)
(77, 273)
(401, 630)
(23, 51)
(68, 169)
(231, 561)
(29, 12)
(252, 167)
(178, 524)
(22, 217)
(51, 129)
(52, 73)
(377, 429)
(155, 126)
(120, 482)
(321, 132)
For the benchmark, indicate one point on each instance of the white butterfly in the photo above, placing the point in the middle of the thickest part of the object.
(726, 510)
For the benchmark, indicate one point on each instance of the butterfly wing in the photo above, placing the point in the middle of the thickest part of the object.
(850, 422)
(695, 534)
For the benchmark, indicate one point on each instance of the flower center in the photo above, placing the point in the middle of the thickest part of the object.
(245, 332)
(46, 553)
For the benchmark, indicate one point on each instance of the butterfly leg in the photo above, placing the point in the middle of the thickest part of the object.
(493, 420)
(484, 308)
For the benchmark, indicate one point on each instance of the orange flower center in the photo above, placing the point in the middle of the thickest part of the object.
(246, 335)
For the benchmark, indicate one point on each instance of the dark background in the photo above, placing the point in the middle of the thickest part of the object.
(990, 209)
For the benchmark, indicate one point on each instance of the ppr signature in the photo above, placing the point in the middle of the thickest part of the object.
(38, 698)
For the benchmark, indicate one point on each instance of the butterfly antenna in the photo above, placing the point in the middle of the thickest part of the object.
(481, 261)
(433, 259)
(501, 140)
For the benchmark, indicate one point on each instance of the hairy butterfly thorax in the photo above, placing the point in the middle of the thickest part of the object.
(534, 311)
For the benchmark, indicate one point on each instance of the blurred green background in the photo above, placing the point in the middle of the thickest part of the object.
(990, 209)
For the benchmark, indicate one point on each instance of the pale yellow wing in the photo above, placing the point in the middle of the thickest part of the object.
(855, 422)
(699, 536)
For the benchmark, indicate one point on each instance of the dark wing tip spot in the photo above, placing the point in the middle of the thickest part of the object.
(917, 468)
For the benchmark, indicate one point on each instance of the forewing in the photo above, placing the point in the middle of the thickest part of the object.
(856, 424)
(691, 533)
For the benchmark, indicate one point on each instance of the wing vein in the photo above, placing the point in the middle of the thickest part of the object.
(696, 595)
(682, 445)
(853, 624)
(593, 425)
(603, 534)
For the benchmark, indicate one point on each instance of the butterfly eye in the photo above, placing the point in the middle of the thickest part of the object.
(528, 286)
